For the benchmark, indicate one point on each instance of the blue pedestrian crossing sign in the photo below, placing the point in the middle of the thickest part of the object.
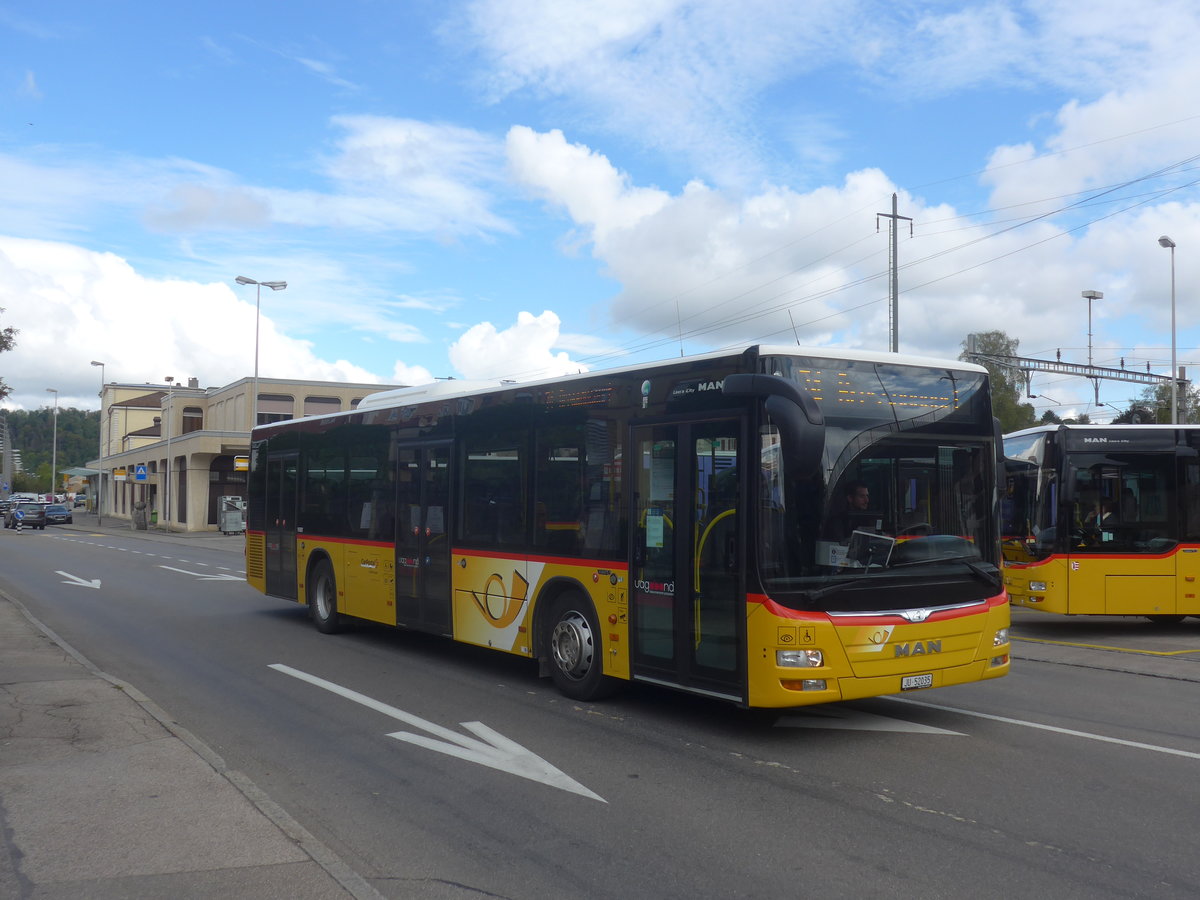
(139, 473)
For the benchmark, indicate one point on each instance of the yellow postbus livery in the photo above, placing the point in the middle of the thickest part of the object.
(1104, 520)
(767, 526)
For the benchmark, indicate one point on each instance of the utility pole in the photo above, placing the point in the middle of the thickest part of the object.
(894, 267)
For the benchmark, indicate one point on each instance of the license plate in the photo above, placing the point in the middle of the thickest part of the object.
(916, 682)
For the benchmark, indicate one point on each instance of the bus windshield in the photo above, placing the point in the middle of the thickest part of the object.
(906, 498)
(1088, 491)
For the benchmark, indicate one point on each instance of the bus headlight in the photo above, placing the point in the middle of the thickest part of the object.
(1037, 585)
(800, 659)
(1000, 638)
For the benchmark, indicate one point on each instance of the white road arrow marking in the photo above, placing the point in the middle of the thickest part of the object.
(494, 750)
(75, 579)
(855, 720)
(203, 576)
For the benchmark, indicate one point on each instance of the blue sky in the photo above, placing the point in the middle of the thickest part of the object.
(517, 188)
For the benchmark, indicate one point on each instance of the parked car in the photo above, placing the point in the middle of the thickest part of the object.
(33, 515)
(57, 514)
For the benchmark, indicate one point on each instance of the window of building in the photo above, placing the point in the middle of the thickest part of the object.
(275, 408)
(319, 406)
(193, 419)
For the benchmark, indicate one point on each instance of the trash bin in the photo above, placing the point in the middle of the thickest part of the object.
(231, 515)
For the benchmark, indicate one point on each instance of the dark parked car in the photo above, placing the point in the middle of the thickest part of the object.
(33, 515)
(57, 514)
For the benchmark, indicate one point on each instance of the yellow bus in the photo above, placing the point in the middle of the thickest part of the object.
(683, 523)
(1103, 520)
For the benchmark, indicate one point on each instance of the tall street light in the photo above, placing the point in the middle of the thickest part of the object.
(1089, 296)
(259, 285)
(1165, 241)
(166, 518)
(54, 451)
(100, 461)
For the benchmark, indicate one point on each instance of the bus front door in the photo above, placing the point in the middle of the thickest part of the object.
(422, 544)
(281, 495)
(686, 578)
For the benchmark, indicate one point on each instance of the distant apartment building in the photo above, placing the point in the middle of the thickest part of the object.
(170, 452)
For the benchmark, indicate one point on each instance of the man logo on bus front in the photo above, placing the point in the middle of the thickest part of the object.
(917, 615)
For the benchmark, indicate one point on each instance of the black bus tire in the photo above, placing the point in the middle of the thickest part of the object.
(573, 643)
(1166, 619)
(322, 598)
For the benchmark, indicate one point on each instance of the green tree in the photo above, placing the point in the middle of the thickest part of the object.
(8, 340)
(1137, 414)
(32, 432)
(1153, 405)
(1007, 383)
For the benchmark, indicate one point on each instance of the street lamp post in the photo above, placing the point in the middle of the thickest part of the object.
(54, 448)
(1165, 241)
(258, 286)
(100, 461)
(166, 522)
(1089, 296)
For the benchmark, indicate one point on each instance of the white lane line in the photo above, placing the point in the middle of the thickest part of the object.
(1137, 745)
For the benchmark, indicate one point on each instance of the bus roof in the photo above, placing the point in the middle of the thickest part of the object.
(1073, 426)
(452, 388)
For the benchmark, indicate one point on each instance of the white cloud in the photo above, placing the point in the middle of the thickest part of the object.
(1120, 136)
(73, 305)
(387, 175)
(417, 174)
(734, 88)
(676, 75)
(411, 375)
(522, 352)
(719, 268)
(593, 192)
(199, 207)
(1008, 43)
(29, 87)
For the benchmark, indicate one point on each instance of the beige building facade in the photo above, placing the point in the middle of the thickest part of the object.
(169, 453)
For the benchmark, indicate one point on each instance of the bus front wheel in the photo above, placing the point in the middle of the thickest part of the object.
(576, 652)
(322, 598)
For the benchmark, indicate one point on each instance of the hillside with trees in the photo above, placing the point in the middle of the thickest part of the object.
(32, 433)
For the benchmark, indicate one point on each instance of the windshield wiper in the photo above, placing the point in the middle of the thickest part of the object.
(990, 575)
(838, 586)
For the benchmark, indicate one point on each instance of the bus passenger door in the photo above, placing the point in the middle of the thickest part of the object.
(281, 497)
(422, 541)
(686, 576)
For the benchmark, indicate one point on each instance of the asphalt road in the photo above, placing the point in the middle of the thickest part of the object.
(1076, 776)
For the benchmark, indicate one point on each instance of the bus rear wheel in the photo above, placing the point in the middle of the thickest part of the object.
(322, 598)
(576, 655)
(1166, 619)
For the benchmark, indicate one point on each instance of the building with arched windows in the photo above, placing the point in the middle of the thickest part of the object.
(172, 451)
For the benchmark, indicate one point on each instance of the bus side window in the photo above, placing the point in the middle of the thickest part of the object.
(496, 495)
(1191, 500)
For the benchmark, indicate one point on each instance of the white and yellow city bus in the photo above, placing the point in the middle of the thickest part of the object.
(681, 523)
(1104, 520)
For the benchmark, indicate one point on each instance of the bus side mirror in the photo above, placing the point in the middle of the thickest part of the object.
(795, 412)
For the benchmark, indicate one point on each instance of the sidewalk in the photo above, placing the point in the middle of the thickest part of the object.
(89, 521)
(103, 796)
